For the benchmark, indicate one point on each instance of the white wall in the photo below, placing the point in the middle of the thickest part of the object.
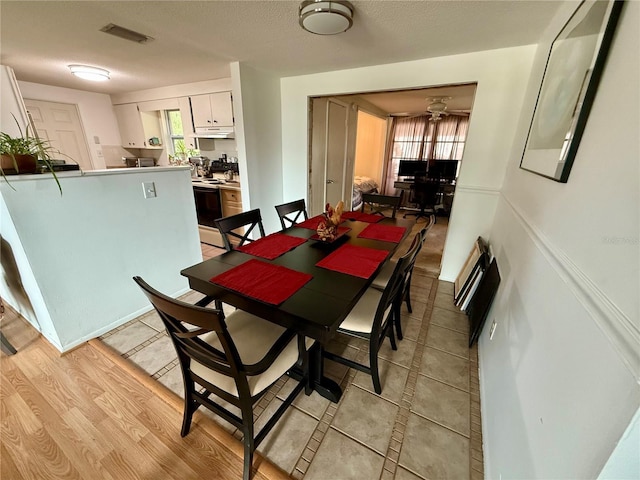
(11, 104)
(256, 103)
(81, 249)
(559, 380)
(624, 463)
(370, 142)
(96, 115)
(501, 76)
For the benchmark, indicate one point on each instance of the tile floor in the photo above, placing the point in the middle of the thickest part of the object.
(425, 424)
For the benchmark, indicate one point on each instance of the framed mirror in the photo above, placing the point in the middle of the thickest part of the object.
(574, 66)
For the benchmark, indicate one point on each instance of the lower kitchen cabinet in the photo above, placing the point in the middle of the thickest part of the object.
(231, 202)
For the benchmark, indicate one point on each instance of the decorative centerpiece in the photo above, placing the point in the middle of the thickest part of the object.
(328, 228)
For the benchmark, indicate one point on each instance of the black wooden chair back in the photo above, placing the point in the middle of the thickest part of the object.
(379, 204)
(383, 319)
(405, 293)
(292, 212)
(186, 325)
(228, 226)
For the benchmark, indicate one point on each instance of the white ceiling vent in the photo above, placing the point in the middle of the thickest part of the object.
(125, 33)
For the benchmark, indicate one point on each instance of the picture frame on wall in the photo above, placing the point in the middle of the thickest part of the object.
(574, 66)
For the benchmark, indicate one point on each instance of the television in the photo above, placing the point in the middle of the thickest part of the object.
(412, 168)
(444, 169)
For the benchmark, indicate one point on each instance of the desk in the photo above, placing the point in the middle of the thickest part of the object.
(446, 192)
(318, 308)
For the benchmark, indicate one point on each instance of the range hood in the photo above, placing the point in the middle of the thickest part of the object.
(214, 132)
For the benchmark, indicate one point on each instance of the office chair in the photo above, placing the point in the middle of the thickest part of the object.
(425, 194)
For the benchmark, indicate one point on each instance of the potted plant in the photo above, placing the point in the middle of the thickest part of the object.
(182, 154)
(20, 154)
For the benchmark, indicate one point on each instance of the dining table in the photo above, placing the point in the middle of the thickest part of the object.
(318, 307)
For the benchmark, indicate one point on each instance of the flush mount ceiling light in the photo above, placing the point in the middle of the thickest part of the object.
(90, 73)
(326, 17)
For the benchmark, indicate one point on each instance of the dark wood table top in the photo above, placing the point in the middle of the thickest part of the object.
(319, 307)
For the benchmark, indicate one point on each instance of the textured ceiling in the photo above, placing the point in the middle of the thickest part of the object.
(412, 102)
(196, 40)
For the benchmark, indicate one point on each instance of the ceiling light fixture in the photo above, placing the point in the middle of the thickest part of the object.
(326, 17)
(86, 72)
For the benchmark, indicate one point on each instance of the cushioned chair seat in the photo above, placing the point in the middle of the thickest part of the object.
(360, 319)
(253, 337)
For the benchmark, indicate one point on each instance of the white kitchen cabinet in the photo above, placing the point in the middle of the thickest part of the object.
(212, 110)
(137, 127)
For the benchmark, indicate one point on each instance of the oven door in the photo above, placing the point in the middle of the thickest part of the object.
(208, 207)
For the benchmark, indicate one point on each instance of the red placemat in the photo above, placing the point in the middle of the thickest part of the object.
(386, 233)
(272, 246)
(263, 281)
(311, 223)
(362, 217)
(352, 260)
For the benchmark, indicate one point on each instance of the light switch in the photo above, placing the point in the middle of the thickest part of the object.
(149, 189)
(96, 140)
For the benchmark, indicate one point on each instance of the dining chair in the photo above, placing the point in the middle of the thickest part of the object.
(228, 226)
(236, 358)
(292, 212)
(372, 318)
(382, 279)
(378, 204)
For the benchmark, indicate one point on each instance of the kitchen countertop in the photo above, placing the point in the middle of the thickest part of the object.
(204, 182)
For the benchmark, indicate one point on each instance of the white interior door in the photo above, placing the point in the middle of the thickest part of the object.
(332, 151)
(336, 151)
(60, 124)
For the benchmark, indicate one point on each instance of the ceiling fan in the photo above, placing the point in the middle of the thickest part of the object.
(436, 109)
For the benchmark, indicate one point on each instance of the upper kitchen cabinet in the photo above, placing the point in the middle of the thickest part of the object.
(212, 110)
(137, 127)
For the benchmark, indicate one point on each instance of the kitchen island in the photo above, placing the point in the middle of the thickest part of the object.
(68, 259)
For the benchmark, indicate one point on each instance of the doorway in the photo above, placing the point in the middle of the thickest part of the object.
(59, 123)
(435, 108)
(332, 153)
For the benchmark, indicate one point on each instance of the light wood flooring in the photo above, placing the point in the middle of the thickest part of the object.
(83, 415)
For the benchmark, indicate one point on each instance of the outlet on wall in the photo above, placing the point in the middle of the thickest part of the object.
(149, 189)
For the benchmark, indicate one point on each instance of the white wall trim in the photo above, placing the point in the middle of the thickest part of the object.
(616, 326)
(478, 189)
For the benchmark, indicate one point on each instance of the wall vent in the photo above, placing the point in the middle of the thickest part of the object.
(125, 33)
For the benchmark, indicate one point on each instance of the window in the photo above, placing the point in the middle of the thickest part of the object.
(417, 138)
(176, 133)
